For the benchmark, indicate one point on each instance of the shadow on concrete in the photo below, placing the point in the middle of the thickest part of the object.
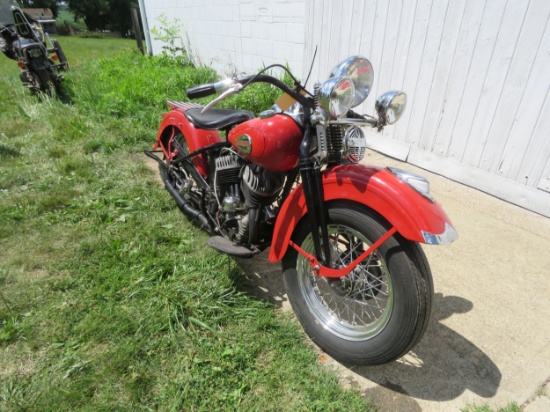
(440, 368)
(443, 365)
(263, 279)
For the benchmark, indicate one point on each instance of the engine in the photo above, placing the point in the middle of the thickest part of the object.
(244, 194)
(260, 186)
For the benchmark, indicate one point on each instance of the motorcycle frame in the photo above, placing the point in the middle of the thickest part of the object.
(406, 211)
(21, 52)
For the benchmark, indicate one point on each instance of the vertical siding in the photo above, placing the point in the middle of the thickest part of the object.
(236, 36)
(476, 73)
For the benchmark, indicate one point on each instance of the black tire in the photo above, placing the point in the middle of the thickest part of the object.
(396, 278)
(179, 148)
(41, 83)
(177, 175)
(32, 81)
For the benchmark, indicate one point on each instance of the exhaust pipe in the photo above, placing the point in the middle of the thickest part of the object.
(183, 205)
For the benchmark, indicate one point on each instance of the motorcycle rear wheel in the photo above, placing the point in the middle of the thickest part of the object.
(379, 311)
(178, 149)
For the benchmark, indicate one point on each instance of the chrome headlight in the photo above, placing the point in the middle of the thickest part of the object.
(418, 183)
(361, 73)
(390, 106)
(355, 144)
(336, 96)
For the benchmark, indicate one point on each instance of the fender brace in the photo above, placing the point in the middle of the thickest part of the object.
(327, 272)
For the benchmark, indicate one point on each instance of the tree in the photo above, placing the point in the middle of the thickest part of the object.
(95, 13)
(104, 14)
(121, 16)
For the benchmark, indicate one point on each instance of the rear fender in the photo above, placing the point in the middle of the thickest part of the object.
(175, 121)
(414, 216)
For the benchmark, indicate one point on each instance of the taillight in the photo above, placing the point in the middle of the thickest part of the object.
(21, 64)
(54, 57)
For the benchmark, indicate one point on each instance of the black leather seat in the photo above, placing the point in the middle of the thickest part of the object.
(217, 118)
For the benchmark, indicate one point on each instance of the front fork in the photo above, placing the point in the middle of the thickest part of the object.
(312, 184)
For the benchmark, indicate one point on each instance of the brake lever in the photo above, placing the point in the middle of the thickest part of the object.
(237, 87)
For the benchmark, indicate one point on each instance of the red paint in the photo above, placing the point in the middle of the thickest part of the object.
(327, 272)
(275, 142)
(377, 188)
(196, 138)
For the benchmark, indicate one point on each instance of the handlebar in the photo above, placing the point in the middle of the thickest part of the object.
(201, 91)
(208, 89)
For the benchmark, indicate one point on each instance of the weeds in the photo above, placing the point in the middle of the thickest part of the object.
(170, 34)
(110, 300)
(512, 407)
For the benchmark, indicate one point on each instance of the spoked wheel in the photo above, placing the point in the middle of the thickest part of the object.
(178, 148)
(40, 83)
(31, 80)
(376, 313)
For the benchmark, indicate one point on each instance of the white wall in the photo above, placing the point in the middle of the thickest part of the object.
(237, 35)
(478, 80)
(476, 73)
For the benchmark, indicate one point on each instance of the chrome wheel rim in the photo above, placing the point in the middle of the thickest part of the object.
(178, 173)
(180, 144)
(358, 306)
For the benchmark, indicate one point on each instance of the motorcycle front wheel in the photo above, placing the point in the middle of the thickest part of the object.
(39, 83)
(376, 313)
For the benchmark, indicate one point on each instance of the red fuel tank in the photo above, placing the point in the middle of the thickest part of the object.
(273, 143)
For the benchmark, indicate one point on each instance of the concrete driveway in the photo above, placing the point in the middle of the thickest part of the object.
(489, 338)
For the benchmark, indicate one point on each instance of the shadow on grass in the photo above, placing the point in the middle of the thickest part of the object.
(6, 151)
(440, 368)
(65, 93)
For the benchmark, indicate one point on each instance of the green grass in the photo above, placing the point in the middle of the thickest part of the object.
(78, 51)
(513, 407)
(109, 299)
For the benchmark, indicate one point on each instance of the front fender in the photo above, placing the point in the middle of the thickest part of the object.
(196, 138)
(415, 217)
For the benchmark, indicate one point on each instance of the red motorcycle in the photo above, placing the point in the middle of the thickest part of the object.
(347, 234)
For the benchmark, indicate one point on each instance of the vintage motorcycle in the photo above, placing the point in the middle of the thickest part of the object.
(26, 42)
(347, 234)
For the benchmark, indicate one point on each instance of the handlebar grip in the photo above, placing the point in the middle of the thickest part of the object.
(201, 91)
(245, 79)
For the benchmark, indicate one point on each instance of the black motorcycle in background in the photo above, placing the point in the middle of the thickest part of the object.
(24, 40)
